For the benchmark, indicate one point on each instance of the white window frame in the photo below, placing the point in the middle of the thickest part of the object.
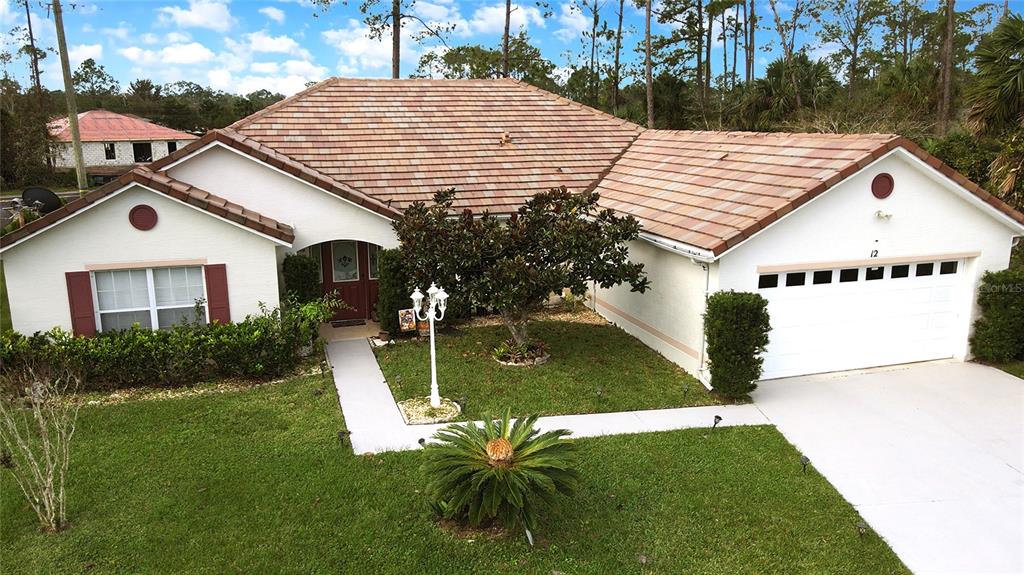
(153, 309)
(334, 276)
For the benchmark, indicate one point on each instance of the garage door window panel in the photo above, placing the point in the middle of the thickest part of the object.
(946, 268)
(925, 269)
(794, 279)
(874, 273)
(849, 275)
(822, 277)
(768, 281)
(900, 271)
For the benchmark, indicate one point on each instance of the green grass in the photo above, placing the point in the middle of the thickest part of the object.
(593, 368)
(1012, 368)
(5, 305)
(256, 482)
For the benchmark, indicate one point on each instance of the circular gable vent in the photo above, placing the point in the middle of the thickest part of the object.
(881, 186)
(143, 217)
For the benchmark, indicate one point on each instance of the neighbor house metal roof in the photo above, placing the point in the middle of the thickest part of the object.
(106, 126)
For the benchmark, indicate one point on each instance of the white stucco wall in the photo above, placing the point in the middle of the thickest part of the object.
(94, 155)
(316, 215)
(668, 317)
(927, 218)
(35, 268)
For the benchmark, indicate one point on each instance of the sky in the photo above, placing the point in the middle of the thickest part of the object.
(241, 46)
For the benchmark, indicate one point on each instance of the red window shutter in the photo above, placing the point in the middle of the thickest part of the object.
(217, 293)
(83, 316)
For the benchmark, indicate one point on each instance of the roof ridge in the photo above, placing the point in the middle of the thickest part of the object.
(282, 103)
(571, 102)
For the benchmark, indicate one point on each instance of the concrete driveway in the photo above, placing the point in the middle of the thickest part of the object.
(930, 454)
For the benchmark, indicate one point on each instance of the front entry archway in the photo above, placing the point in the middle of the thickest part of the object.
(349, 268)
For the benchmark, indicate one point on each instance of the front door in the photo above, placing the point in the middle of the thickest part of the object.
(350, 271)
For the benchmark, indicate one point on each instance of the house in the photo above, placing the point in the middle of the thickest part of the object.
(868, 249)
(113, 143)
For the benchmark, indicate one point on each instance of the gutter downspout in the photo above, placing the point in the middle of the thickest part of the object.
(701, 370)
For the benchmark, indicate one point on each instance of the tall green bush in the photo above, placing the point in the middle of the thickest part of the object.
(301, 277)
(393, 289)
(999, 332)
(736, 325)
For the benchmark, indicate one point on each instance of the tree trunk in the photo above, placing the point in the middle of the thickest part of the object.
(516, 322)
(946, 72)
(618, 49)
(69, 96)
(396, 39)
(752, 46)
(648, 73)
(504, 39)
(735, 44)
(700, 54)
(852, 72)
(595, 83)
(707, 57)
(34, 57)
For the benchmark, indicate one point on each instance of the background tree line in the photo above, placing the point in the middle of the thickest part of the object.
(948, 78)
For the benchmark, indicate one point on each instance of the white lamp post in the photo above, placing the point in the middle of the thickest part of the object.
(436, 304)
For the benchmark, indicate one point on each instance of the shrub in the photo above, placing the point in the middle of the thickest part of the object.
(301, 277)
(999, 332)
(262, 346)
(392, 289)
(502, 471)
(736, 326)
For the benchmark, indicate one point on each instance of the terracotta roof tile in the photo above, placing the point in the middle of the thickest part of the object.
(106, 126)
(403, 140)
(164, 184)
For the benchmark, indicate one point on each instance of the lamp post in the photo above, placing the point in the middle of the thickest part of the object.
(437, 302)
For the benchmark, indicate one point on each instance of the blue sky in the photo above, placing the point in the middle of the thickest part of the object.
(245, 45)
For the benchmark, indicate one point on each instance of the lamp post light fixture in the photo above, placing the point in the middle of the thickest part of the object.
(437, 303)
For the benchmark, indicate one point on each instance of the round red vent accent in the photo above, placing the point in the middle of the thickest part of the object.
(881, 186)
(142, 217)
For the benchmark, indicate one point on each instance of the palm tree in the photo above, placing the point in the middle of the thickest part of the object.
(996, 103)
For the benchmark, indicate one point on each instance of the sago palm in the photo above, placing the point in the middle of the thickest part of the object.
(505, 470)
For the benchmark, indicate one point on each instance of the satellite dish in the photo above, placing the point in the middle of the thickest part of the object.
(41, 198)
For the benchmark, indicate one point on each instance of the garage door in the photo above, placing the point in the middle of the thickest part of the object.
(857, 317)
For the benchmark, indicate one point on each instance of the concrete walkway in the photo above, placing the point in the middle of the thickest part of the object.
(375, 424)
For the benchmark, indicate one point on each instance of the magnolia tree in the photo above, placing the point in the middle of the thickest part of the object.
(556, 240)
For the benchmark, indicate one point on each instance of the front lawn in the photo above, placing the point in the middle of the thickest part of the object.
(255, 481)
(594, 367)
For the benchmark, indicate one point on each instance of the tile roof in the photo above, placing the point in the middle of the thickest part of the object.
(106, 126)
(282, 162)
(713, 190)
(403, 140)
(166, 185)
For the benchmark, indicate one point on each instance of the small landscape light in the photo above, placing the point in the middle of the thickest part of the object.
(422, 442)
(718, 419)
(343, 436)
(804, 460)
(862, 528)
(462, 402)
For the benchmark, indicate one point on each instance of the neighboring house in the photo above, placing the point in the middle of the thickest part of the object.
(114, 143)
(868, 249)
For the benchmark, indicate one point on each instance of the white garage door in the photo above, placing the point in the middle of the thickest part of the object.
(857, 317)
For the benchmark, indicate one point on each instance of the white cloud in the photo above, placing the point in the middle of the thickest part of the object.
(361, 54)
(491, 19)
(275, 14)
(264, 67)
(261, 42)
(121, 32)
(86, 9)
(211, 14)
(192, 53)
(81, 52)
(305, 69)
(177, 37)
(573, 22)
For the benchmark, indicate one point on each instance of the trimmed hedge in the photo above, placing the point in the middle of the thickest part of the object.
(301, 277)
(392, 289)
(999, 332)
(263, 346)
(736, 325)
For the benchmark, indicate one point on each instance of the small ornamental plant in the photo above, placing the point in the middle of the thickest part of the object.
(505, 471)
(736, 325)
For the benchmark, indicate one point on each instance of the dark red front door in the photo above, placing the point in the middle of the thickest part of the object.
(347, 272)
